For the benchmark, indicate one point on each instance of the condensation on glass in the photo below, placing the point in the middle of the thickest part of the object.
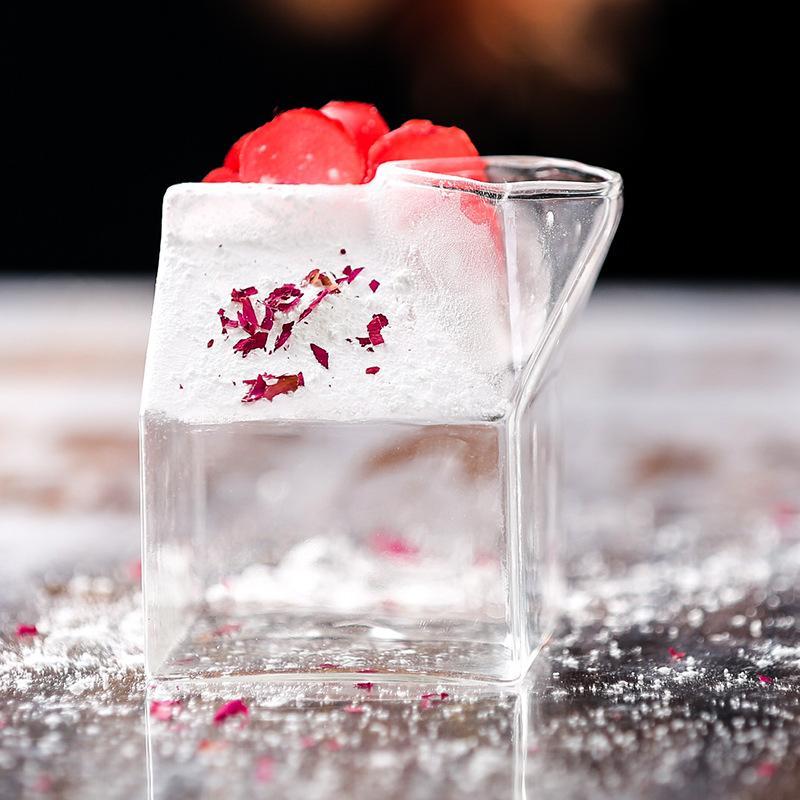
(403, 522)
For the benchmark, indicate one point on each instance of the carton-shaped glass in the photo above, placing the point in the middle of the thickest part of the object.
(349, 429)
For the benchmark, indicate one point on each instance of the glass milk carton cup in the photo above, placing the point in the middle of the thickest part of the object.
(349, 425)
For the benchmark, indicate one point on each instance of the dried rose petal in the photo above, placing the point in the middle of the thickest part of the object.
(765, 679)
(247, 316)
(350, 274)
(164, 710)
(385, 543)
(210, 343)
(315, 302)
(265, 769)
(676, 655)
(258, 341)
(284, 298)
(366, 686)
(432, 699)
(231, 627)
(226, 321)
(319, 279)
(372, 370)
(237, 295)
(266, 387)
(269, 318)
(230, 709)
(320, 354)
(27, 630)
(374, 328)
(283, 336)
(766, 769)
(373, 284)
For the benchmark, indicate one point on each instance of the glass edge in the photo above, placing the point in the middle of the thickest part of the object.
(604, 183)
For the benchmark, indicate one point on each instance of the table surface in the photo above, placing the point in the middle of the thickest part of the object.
(673, 673)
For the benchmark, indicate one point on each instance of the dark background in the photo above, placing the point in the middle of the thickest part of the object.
(108, 105)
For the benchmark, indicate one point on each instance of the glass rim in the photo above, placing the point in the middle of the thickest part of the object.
(540, 176)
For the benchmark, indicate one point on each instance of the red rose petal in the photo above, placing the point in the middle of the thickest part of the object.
(248, 313)
(232, 158)
(374, 328)
(372, 370)
(353, 710)
(226, 321)
(676, 655)
(284, 298)
(237, 295)
(164, 710)
(350, 274)
(258, 341)
(230, 709)
(27, 630)
(269, 318)
(419, 138)
(366, 686)
(222, 175)
(267, 387)
(373, 284)
(361, 120)
(385, 543)
(265, 769)
(765, 679)
(283, 336)
(315, 302)
(320, 354)
(301, 146)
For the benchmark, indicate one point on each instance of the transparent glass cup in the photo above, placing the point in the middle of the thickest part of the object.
(329, 516)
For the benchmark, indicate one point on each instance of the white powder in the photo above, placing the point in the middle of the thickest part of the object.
(442, 288)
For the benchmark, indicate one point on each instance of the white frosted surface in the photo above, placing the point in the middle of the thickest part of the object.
(442, 288)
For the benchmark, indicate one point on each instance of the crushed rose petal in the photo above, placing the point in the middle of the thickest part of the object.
(284, 298)
(283, 336)
(265, 769)
(372, 370)
(231, 627)
(676, 655)
(766, 769)
(258, 341)
(432, 699)
(366, 686)
(247, 316)
(320, 354)
(210, 343)
(27, 630)
(164, 710)
(353, 709)
(269, 318)
(237, 295)
(367, 671)
(350, 274)
(230, 709)
(326, 665)
(765, 679)
(267, 387)
(319, 279)
(373, 284)
(227, 322)
(315, 302)
(385, 543)
(374, 328)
